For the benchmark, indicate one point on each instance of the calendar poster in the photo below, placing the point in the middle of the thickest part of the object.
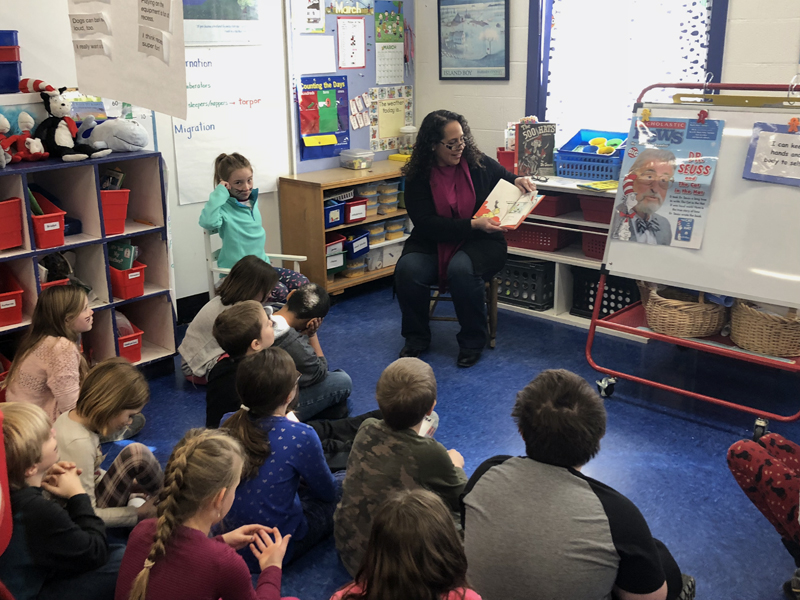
(389, 63)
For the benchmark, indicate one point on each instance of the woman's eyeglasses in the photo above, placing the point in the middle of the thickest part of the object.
(453, 145)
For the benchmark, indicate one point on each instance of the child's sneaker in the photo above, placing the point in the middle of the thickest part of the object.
(791, 589)
(688, 589)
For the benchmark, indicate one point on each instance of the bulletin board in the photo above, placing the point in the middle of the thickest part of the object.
(359, 81)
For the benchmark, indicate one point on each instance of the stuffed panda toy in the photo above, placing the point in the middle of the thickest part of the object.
(58, 131)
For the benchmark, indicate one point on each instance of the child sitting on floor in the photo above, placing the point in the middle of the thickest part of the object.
(173, 557)
(432, 564)
(389, 455)
(233, 209)
(250, 279)
(54, 552)
(48, 367)
(240, 331)
(112, 393)
(278, 453)
(323, 394)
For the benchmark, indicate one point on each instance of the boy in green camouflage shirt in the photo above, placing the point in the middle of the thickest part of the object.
(389, 455)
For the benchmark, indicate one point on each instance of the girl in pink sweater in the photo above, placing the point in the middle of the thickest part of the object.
(414, 551)
(173, 557)
(48, 367)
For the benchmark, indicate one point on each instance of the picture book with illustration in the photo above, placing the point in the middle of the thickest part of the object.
(534, 145)
(507, 205)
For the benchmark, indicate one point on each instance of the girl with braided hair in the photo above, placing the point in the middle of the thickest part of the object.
(173, 558)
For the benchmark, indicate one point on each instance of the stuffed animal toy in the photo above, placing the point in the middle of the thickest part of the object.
(121, 135)
(6, 142)
(58, 131)
(28, 147)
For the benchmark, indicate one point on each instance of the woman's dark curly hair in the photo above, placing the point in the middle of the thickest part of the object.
(431, 132)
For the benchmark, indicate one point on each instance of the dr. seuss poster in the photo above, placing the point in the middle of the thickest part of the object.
(665, 180)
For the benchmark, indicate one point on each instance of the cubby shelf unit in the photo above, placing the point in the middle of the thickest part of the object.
(77, 186)
(565, 258)
(303, 220)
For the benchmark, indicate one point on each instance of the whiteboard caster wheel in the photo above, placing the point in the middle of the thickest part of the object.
(760, 428)
(605, 386)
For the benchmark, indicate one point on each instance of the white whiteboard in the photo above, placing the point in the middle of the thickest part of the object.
(751, 246)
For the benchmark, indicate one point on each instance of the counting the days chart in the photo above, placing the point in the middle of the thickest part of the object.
(389, 63)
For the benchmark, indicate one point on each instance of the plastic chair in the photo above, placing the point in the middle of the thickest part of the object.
(491, 307)
(215, 271)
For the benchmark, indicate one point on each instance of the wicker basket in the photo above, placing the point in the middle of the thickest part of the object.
(754, 330)
(678, 314)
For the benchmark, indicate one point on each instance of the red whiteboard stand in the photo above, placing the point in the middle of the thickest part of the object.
(631, 320)
(622, 262)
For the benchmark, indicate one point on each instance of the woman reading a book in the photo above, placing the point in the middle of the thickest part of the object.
(447, 181)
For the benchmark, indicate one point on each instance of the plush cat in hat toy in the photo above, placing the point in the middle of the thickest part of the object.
(58, 132)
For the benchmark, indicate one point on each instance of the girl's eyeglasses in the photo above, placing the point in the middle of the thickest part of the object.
(452, 146)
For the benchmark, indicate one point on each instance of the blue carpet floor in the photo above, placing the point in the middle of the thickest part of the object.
(663, 451)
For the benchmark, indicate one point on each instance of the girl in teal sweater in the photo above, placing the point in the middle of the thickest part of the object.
(233, 209)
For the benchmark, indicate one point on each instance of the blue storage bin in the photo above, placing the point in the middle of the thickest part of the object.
(588, 166)
(334, 213)
(584, 136)
(359, 245)
(8, 37)
(572, 161)
(10, 74)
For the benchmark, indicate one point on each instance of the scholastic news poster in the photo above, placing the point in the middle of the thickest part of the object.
(666, 176)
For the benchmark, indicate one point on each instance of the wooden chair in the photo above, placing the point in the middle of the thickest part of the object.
(215, 271)
(491, 307)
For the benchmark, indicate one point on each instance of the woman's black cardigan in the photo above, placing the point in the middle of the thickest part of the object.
(486, 250)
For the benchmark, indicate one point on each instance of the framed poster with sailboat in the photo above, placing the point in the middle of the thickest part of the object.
(473, 39)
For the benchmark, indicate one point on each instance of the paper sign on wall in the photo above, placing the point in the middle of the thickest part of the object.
(155, 13)
(88, 23)
(153, 43)
(391, 117)
(773, 155)
(90, 47)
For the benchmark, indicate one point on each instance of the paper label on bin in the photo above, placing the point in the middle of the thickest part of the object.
(52, 226)
(8, 304)
(134, 275)
(130, 343)
(335, 261)
(358, 212)
(334, 216)
(359, 245)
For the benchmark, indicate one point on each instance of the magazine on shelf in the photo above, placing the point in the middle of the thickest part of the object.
(507, 205)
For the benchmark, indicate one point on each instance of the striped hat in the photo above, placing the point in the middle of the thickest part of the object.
(36, 85)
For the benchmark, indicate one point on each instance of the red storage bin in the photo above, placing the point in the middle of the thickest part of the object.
(552, 206)
(48, 229)
(130, 346)
(594, 246)
(9, 54)
(334, 243)
(49, 284)
(506, 158)
(10, 298)
(355, 210)
(10, 223)
(115, 209)
(128, 283)
(5, 366)
(536, 237)
(597, 210)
